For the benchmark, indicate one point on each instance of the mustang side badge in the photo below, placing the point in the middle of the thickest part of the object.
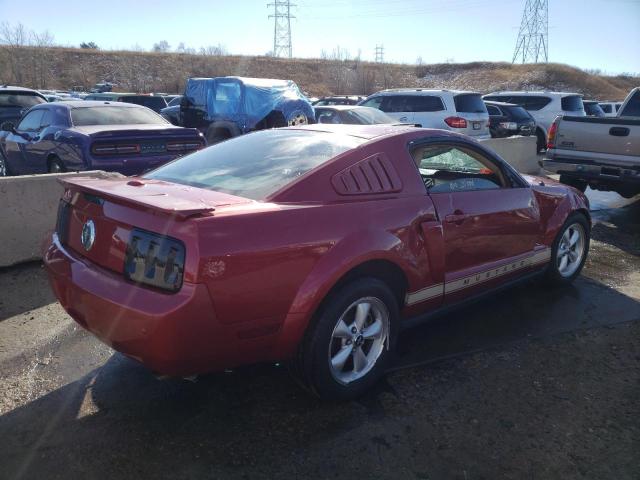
(88, 235)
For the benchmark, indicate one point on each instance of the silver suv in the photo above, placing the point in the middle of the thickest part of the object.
(459, 111)
(544, 107)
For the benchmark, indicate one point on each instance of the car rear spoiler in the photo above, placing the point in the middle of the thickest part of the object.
(181, 201)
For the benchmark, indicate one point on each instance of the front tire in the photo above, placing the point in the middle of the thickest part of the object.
(350, 343)
(569, 250)
(56, 166)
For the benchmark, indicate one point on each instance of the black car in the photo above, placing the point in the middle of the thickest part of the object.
(339, 100)
(14, 101)
(352, 115)
(155, 103)
(593, 108)
(508, 119)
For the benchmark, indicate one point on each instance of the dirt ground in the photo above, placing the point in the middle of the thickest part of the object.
(531, 384)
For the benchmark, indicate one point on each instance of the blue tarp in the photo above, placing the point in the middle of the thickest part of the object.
(246, 101)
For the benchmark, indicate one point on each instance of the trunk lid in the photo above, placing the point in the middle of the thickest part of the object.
(117, 205)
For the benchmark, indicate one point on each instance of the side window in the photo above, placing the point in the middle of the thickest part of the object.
(536, 103)
(618, 105)
(606, 107)
(495, 111)
(374, 102)
(447, 169)
(31, 122)
(47, 119)
(424, 103)
(396, 103)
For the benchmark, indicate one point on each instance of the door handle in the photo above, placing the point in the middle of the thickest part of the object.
(456, 217)
(619, 131)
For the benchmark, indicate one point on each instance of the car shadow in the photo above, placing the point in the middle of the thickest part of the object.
(24, 287)
(118, 421)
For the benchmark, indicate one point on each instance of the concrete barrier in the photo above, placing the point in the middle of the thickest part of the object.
(28, 210)
(520, 152)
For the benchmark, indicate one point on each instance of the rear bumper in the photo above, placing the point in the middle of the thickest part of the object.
(172, 334)
(130, 166)
(602, 173)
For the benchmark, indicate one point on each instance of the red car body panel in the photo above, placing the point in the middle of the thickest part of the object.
(256, 272)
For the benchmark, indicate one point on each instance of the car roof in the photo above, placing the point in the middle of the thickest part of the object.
(421, 91)
(534, 93)
(341, 107)
(90, 103)
(17, 89)
(501, 104)
(368, 132)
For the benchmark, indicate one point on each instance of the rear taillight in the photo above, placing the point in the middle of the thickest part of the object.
(154, 260)
(184, 146)
(62, 222)
(551, 135)
(456, 122)
(114, 149)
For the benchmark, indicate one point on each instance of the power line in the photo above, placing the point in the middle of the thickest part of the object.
(379, 53)
(532, 44)
(281, 27)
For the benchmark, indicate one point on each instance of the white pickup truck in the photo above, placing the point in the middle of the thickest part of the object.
(603, 153)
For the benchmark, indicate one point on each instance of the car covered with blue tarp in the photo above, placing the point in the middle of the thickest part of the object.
(226, 107)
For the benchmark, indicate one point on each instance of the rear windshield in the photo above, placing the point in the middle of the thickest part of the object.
(366, 116)
(20, 99)
(154, 103)
(632, 108)
(258, 164)
(572, 103)
(469, 103)
(113, 115)
(518, 113)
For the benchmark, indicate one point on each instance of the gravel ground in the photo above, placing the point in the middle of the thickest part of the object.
(556, 396)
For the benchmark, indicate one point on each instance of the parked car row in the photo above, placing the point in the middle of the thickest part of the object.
(225, 107)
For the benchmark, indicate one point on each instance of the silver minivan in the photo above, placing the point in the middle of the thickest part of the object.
(459, 111)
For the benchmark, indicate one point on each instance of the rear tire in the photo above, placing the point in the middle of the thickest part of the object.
(4, 168)
(569, 250)
(348, 346)
(541, 142)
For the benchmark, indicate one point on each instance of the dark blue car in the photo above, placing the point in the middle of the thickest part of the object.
(92, 135)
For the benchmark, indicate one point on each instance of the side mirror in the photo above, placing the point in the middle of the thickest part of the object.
(7, 127)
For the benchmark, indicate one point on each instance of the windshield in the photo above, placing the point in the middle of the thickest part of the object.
(256, 165)
(518, 113)
(154, 103)
(113, 115)
(20, 99)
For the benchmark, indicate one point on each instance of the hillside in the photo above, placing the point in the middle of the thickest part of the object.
(148, 72)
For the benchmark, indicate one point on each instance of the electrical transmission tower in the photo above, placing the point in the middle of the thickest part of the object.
(379, 53)
(533, 38)
(281, 27)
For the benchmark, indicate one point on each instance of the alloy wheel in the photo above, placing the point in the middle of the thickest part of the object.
(571, 250)
(298, 118)
(358, 339)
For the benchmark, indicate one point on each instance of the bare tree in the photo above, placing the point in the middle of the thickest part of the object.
(161, 46)
(13, 40)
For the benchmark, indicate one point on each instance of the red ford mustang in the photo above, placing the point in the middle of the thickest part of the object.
(312, 244)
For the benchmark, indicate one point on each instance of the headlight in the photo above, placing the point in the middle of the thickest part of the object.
(154, 260)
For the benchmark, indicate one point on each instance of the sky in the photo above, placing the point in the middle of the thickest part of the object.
(590, 34)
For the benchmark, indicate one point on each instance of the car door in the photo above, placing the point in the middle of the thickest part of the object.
(41, 143)
(496, 117)
(490, 217)
(17, 141)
